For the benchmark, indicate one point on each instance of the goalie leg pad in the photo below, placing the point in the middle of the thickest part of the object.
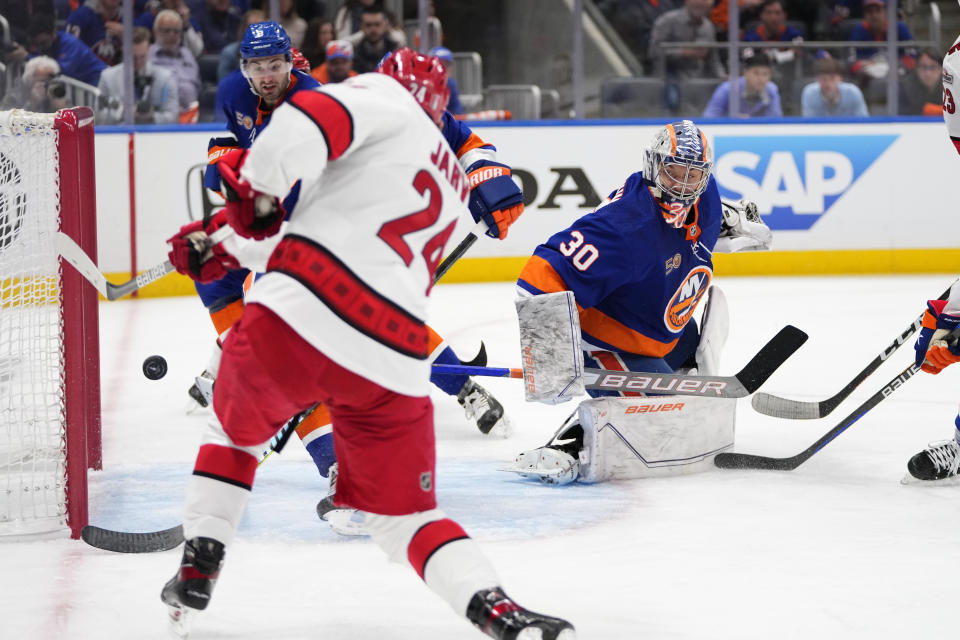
(714, 329)
(550, 347)
(627, 438)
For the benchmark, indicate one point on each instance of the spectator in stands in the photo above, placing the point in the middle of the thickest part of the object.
(349, 17)
(921, 90)
(155, 89)
(292, 23)
(192, 39)
(38, 90)
(454, 106)
(871, 62)
(338, 65)
(773, 27)
(319, 34)
(76, 59)
(633, 20)
(759, 97)
(219, 22)
(829, 95)
(720, 15)
(230, 56)
(168, 53)
(99, 24)
(688, 24)
(375, 43)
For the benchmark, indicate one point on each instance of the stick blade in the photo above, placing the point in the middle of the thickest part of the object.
(73, 254)
(750, 461)
(132, 542)
(778, 407)
(770, 357)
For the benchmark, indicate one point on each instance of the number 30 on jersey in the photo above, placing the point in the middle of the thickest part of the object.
(581, 255)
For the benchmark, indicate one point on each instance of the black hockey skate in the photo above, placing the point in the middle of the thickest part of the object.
(499, 617)
(939, 461)
(190, 589)
(194, 393)
(482, 408)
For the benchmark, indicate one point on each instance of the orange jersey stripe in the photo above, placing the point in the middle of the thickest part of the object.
(541, 274)
(226, 317)
(434, 339)
(319, 418)
(473, 142)
(603, 327)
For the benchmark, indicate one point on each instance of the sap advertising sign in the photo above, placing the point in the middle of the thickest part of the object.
(794, 179)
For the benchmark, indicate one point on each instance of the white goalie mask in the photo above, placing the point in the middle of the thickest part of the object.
(677, 164)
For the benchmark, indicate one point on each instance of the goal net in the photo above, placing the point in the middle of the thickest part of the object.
(49, 347)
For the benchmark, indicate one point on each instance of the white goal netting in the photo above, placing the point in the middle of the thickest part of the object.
(32, 406)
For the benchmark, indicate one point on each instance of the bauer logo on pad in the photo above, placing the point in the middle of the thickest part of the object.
(794, 179)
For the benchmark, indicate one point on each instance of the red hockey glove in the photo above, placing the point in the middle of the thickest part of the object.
(934, 351)
(191, 254)
(494, 197)
(252, 214)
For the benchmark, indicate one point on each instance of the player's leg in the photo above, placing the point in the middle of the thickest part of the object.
(385, 446)
(939, 461)
(224, 301)
(260, 385)
(478, 404)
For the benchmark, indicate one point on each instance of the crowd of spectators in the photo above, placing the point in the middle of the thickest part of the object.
(783, 68)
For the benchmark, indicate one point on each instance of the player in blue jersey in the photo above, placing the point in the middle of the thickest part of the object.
(639, 265)
(247, 98)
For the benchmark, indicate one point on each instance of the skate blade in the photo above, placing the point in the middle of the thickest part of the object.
(502, 429)
(556, 478)
(347, 522)
(181, 621)
(532, 633)
(909, 481)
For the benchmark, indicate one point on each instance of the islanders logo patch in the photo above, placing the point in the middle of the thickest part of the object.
(686, 298)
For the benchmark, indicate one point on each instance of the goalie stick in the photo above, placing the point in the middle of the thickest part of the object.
(750, 461)
(746, 381)
(778, 407)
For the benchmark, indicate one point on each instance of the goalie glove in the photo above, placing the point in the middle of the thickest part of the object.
(934, 352)
(494, 197)
(742, 228)
(192, 254)
(252, 214)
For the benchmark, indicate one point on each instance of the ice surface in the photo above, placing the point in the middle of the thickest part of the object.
(836, 549)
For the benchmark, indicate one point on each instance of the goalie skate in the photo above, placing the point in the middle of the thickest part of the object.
(201, 391)
(546, 464)
(494, 613)
(484, 410)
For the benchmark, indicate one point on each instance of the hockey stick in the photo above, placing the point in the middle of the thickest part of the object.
(459, 250)
(778, 407)
(746, 381)
(151, 541)
(72, 253)
(749, 461)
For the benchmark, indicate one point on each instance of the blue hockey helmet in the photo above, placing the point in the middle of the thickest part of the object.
(264, 39)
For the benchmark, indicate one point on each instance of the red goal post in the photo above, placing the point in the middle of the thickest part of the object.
(49, 326)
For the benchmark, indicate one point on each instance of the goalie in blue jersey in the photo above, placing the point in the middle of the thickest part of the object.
(638, 266)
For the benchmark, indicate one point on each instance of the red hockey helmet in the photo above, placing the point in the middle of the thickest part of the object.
(423, 76)
(300, 61)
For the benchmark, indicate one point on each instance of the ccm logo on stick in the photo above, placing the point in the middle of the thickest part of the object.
(650, 408)
(633, 382)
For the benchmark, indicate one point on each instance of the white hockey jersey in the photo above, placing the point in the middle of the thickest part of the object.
(951, 92)
(381, 193)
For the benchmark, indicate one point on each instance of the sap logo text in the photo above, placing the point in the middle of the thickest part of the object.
(794, 179)
(651, 408)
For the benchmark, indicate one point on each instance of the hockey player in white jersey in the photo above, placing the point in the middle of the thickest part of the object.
(338, 317)
(941, 460)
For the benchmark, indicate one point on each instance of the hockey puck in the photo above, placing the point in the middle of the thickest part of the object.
(155, 367)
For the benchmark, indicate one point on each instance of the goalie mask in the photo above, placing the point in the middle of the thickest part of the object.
(677, 164)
